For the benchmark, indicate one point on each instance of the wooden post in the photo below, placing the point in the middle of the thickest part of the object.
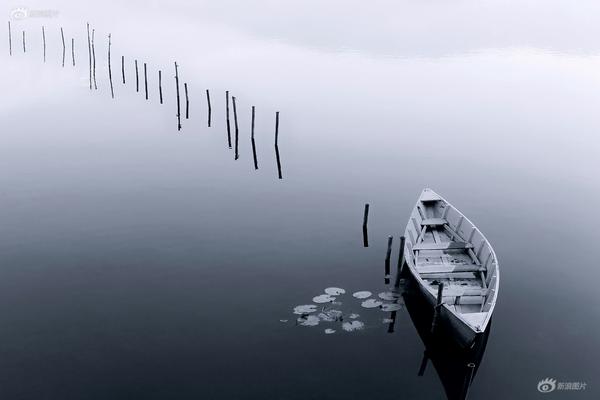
(254, 154)
(252, 131)
(187, 102)
(160, 85)
(178, 102)
(276, 128)
(9, 40)
(24, 42)
(209, 108)
(388, 254)
(112, 92)
(123, 68)
(438, 306)
(365, 236)
(366, 215)
(400, 261)
(236, 129)
(62, 35)
(146, 80)
(137, 77)
(94, 58)
(393, 315)
(44, 41)
(89, 40)
(227, 116)
(73, 50)
(278, 162)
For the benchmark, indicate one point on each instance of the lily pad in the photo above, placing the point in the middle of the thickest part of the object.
(310, 320)
(334, 291)
(329, 331)
(305, 309)
(353, 326)
(389, 296)
(353, 316)
(371, 303)
(362, 295)
(323, 298)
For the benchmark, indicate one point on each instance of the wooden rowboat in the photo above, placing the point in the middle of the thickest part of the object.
(443, 248)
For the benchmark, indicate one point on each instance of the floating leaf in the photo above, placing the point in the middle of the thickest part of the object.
(352, 326)
(334, 291)
(323, 298)
(362, 295)
(329, 331)
(330, 315)
(353, 316)
(305, 309)
(389, 296)
(371, 303)
(310, 320)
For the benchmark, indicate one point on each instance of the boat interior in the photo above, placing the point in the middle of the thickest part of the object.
(445, 247)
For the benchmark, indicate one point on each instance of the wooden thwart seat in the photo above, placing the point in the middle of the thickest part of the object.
(448, 268)
(434, 222)
(442, 246)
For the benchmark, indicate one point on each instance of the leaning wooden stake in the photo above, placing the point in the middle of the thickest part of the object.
(237, 154)
(9, 40)
(94, 58)
(24, 50)
(44, 41)
(123, 68)
(137, 78)
(252, 129)
(276, 128)
(89, 40)
(227, 116)
(209, 108)
(400, 261)
(438, 306)
(73, 50)
(387, 257)
(187, 102)
(146, 80)
(366, 215)
(178, 102)
(280, 175)
(160, 86)
(112, 92)
(62, 35)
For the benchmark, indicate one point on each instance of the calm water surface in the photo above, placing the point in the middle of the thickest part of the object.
(139, 262)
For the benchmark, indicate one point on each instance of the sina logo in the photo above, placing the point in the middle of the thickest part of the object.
(546, 385)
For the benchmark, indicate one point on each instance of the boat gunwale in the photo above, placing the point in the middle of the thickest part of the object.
(421, 281)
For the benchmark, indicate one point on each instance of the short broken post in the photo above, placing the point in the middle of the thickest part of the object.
(387, 258)
(438, 306)
(73, 50)
(187, 102)
(137, 77)
(146, 80)
(209, 108)
(227, 117)
(237, 155)
(123, 68)
(160, 86)
(400, 261)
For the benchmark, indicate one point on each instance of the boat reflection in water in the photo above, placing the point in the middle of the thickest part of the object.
(455, 365)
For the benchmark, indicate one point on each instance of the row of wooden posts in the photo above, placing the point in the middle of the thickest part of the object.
(93, 84)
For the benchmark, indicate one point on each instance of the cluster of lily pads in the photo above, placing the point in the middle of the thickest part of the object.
(323, 309)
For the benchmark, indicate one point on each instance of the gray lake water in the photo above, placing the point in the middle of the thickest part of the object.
(137, 261)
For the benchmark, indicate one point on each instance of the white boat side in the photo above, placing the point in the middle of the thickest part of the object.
(432, 210)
